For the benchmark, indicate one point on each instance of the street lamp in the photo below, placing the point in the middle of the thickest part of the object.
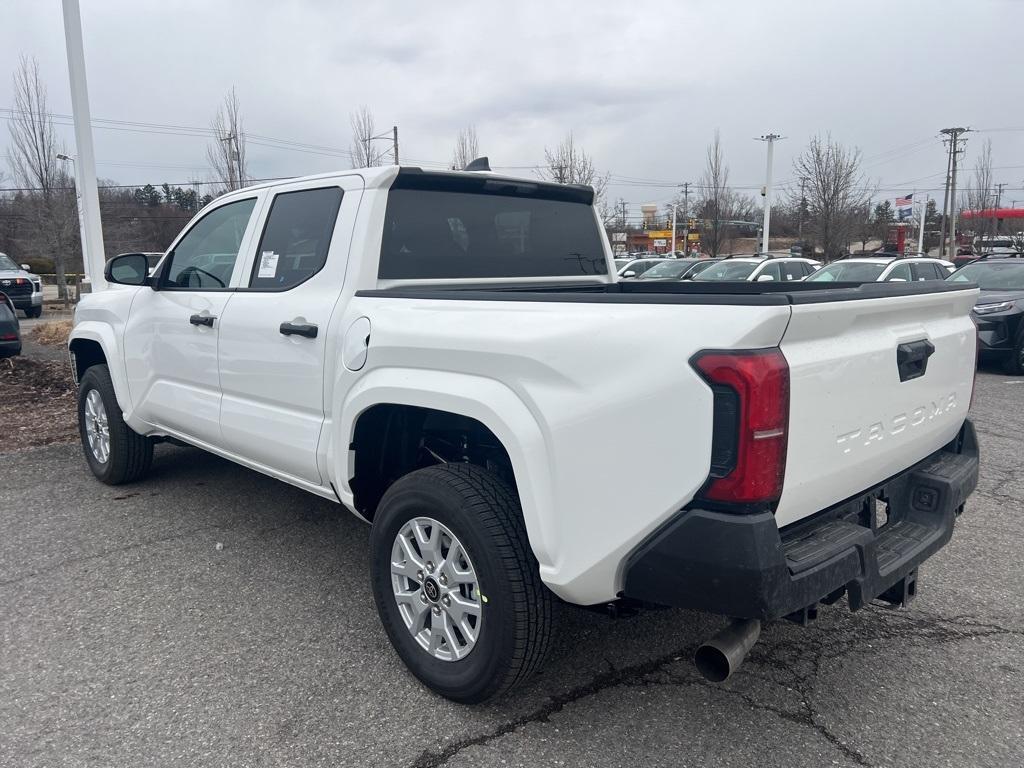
(78, 206)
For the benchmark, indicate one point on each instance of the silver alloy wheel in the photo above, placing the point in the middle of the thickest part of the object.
(436, 588)
(96, 428)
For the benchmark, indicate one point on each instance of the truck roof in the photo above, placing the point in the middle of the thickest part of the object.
(383, 176)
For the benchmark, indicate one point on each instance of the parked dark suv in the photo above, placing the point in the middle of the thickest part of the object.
(999, 309)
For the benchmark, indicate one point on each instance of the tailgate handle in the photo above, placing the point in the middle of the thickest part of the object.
(912, 358)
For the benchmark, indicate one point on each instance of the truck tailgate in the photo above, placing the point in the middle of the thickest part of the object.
(861, 410)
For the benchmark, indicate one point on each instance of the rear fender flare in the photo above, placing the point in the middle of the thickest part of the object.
(488, 401)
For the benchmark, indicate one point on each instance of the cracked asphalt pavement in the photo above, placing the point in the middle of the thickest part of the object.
(129, 637)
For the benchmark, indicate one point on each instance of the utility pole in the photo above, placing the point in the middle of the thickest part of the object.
(234, 162)
(770, 138)
(999, 202)
(954, 134)
(944, 221)
(93, 258)
(686, 212)
(395, 138)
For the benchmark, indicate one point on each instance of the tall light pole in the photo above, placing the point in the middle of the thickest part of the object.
(770, 138)
(93, 258)
(78, 198)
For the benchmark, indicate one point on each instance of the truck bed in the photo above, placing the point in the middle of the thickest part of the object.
(669, 292)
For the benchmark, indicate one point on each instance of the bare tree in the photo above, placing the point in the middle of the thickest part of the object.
(568, 163)
(364, 153)
(467, 148)
(835, 190)
(978, 195)
(226, 153)
(47, 204)
(713, 204)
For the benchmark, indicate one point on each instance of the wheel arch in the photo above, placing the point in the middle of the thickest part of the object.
(95, 344)
(467, 400)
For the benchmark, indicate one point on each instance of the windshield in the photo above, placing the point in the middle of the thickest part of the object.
(727, 270)
(991, 276)
(986, 244)
(6, 262)
(667, 269)
(850, 272)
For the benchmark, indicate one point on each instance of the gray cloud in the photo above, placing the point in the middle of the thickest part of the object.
(643, 85)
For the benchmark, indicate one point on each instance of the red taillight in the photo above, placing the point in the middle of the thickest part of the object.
(760, 380)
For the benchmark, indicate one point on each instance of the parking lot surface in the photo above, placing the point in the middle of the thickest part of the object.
(212, 616)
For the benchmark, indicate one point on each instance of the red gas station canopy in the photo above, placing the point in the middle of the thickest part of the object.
(994, 213)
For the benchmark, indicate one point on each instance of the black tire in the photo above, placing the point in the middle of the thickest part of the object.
(1015, 362)
(483, 512)
(34, 312)
(131, 454)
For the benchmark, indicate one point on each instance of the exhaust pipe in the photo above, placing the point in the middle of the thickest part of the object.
(722, 655)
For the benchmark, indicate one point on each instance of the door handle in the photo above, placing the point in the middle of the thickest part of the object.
(309, 330)
(206, 320)
(912, 358)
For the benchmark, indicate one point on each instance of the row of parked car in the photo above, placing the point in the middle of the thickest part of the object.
(999, 312)
(769, 267)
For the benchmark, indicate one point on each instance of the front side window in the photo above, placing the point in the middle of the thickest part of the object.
(901, 272)
(770, 271)
(296, 238)
(205, 257)
(927, 271)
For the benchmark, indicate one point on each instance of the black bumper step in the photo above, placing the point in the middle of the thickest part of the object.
(742, 565)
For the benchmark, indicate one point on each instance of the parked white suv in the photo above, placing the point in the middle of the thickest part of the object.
(761, 269)
(444, 353)
(883, 269)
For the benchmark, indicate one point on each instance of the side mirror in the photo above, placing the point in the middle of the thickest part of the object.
(127, 269)
(764, 278)
(26, 267)
(628, 273)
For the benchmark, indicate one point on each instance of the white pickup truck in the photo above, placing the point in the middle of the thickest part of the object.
(450, 356)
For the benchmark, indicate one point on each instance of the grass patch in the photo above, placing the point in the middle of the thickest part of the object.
(53, 334)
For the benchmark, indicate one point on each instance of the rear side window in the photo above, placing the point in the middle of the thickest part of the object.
(296, 238)
(792, 270)
(493, 229)
(927, 271)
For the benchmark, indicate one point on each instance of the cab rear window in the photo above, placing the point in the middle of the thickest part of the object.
(447, 227)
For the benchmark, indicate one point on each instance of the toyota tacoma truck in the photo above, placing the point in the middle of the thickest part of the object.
(450, 356)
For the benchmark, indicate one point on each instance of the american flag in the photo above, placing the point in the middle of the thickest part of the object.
(904, 202)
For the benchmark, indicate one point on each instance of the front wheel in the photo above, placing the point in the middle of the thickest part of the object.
(115, 452)
(456, 585)
(1015, 362)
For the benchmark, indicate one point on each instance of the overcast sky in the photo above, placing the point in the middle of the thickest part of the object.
(643, 85)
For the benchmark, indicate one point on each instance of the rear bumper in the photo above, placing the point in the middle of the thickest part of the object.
(745, 567)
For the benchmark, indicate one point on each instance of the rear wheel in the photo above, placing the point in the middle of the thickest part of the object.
(115, 452)
(456, 585)
(34, 312)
